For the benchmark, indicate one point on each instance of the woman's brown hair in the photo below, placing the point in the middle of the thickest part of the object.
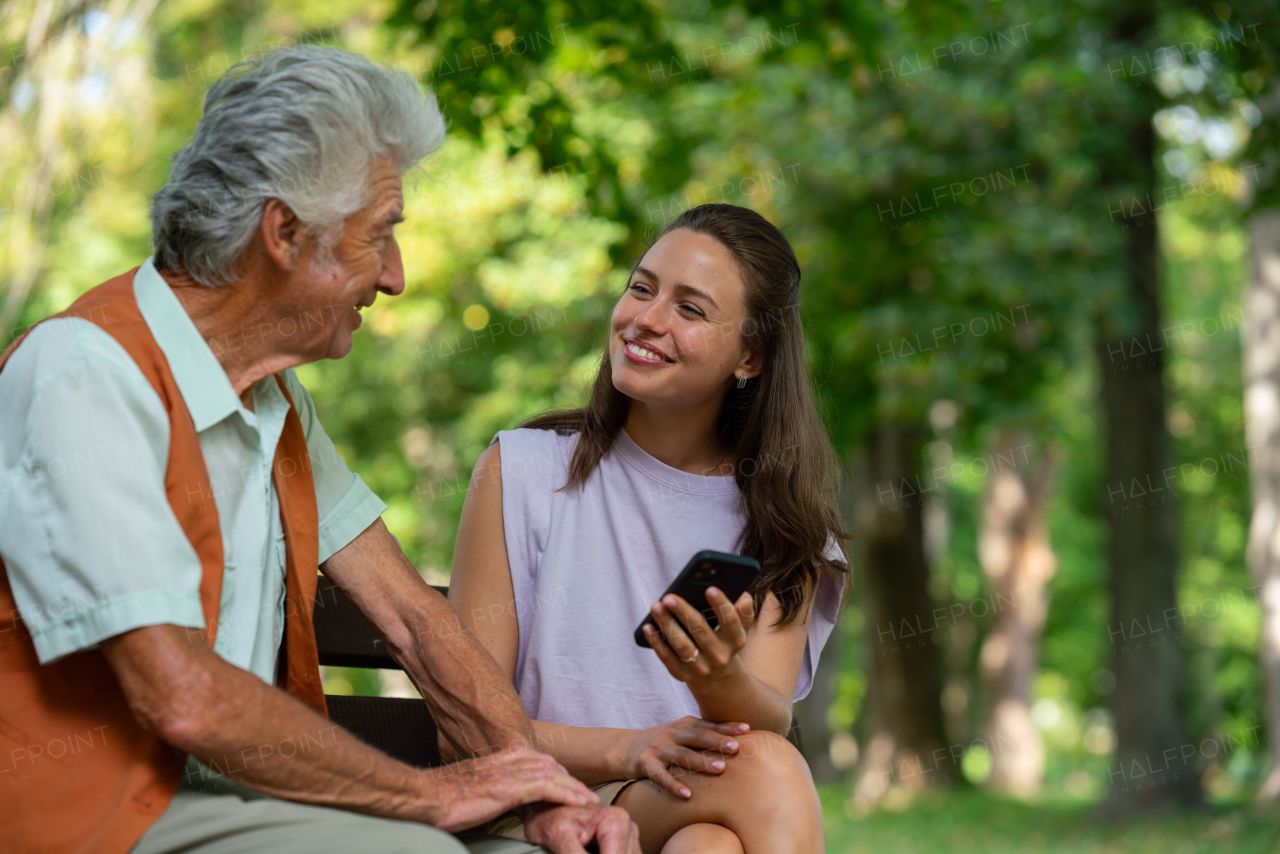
(784, 465)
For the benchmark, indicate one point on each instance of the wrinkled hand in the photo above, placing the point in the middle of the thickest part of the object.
(567, 830)
(681, 743)
(465, 794)
(700, 654)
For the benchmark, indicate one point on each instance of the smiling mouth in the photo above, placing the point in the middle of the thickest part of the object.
(638, 351)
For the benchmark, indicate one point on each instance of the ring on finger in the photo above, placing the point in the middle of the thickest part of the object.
(696, 653)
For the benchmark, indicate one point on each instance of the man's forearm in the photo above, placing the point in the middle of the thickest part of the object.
(474, 705)
(287, 750)
(472, 701)
(247, 730)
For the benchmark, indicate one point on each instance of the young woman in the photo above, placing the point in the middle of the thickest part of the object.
(701, 433)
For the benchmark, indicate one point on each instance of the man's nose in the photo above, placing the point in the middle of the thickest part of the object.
(391, 282)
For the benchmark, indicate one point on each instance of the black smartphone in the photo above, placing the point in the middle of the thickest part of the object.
(731, 574)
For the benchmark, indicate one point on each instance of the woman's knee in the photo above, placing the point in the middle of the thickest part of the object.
(768, 772)
(769, 755)
(703, 838)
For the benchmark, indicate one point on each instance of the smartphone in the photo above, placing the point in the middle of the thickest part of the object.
(732, 574)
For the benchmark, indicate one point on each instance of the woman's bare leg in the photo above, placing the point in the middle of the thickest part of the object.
(765, 796)
(703, 838)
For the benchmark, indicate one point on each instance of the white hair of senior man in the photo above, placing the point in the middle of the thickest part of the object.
(301, 124)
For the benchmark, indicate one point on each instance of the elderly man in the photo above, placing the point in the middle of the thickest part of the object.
(169, 493)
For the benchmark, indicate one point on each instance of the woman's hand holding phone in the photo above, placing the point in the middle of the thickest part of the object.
(700, 655)
(681, 743)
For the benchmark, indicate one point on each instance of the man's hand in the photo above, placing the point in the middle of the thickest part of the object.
(568, 830)
(473, 791)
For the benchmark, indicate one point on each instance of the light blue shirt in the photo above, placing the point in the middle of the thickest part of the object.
(90, 543)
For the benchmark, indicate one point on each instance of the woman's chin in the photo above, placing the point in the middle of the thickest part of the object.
(648, 393)
(636, 387)
(633, 390)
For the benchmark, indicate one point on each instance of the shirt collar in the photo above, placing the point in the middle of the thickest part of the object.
(200, 378)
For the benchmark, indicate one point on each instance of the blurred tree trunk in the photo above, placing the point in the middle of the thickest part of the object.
(1018, 562)
(1142, 545)
(810, 714)
(903, 724)
(1261, 344)
(45, 44)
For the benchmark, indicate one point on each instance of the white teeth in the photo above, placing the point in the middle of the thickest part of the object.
(643, 353)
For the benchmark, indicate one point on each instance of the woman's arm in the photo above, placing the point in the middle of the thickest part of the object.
(481, 590)
(746, 670)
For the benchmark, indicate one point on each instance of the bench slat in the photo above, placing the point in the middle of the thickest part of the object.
(344, 638)
(400, 728)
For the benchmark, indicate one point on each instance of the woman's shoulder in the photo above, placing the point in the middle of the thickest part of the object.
(529, 450)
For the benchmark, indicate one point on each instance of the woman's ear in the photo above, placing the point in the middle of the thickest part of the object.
(751, 365)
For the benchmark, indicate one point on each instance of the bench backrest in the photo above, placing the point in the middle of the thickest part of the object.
(343, 636)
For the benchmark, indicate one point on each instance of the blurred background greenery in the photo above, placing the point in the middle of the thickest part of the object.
(993, 202)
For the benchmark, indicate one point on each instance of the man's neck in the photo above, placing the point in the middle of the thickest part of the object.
(231, 320)
(683, 437)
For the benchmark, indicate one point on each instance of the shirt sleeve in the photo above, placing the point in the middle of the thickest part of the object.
(534, 465)
(345, 504)
(90, 544)
(826, 609)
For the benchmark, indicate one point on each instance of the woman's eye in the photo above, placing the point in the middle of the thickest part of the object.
(694, 310)
(638, 288)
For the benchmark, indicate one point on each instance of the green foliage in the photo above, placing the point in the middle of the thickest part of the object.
(970, 822)
(579, 128)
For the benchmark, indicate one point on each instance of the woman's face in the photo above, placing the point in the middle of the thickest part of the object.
(676, 333)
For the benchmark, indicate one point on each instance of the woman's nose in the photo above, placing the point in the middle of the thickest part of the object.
(653, 318)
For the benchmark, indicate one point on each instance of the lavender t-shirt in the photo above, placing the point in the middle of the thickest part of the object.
(586, 564)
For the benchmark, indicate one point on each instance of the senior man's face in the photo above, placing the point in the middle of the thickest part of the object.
(366, 262)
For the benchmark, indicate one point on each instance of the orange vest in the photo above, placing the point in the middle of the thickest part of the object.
(77, 772)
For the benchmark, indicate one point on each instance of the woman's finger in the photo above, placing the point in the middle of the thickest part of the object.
(731, 630)
(746, 608)
(726, 727)
(709, 761)
(659, 774)
(666, 655)
(706, 739)
(694, 623)
(674, 633)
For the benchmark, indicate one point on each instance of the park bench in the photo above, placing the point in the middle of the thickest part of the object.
(399, 727)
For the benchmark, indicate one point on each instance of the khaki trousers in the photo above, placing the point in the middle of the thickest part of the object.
(216, 815)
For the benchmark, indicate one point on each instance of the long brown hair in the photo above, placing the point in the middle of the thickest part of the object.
(784, 465)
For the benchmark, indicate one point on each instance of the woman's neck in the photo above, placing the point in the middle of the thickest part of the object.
(681, 437)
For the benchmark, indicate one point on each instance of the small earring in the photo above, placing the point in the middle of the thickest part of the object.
(742, 382)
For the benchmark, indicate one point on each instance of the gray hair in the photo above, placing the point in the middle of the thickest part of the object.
(301, 124)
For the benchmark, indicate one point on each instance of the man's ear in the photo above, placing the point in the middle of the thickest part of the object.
(282, 234)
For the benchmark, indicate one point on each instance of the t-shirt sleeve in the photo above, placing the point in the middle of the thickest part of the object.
(534, 466)
(91, 546)
(826, 608)
(345, 505)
